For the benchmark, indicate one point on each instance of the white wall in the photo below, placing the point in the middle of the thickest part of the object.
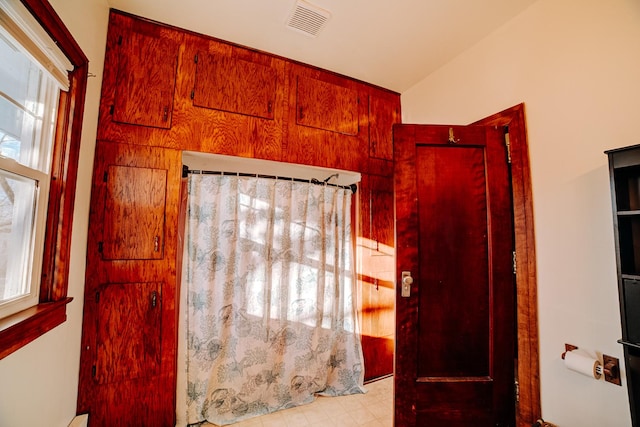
(576, 66)
(39, 383)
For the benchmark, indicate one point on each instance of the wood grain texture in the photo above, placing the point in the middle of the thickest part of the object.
(134, 213)
(210, 129)
(446, 399)
(215, 130)
(453, 212)
(22, 328)
(376, 271)
(528, 409)
(382, 219)
(152, 396)
(218, 131)
(462, 271)
(146, 78)
(406, 207)
(231, 84)
(347, 149)
(138, 83)
(383, 114)
(128, 341)
(325, 105)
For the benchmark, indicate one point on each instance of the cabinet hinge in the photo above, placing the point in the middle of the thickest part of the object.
(100, 247)
(516, 390)
(93, 371)
(193, 94)
(515, 262)
(97, 297)
(195, 59)
(119, 40)
(507, 143)
(154, 299)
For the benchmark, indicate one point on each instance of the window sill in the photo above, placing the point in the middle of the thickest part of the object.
(21, 328)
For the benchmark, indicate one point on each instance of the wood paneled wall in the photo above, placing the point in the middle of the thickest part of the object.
(166, 90)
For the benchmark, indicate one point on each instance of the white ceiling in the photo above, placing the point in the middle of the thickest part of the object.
(390, 43)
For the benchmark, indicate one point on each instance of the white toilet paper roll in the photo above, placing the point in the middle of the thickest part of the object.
(581, 363)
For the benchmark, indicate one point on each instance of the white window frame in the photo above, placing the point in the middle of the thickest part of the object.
(34, 249)
(23, 32)
(22, 328)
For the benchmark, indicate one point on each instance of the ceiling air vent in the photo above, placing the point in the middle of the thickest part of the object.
(307, 18)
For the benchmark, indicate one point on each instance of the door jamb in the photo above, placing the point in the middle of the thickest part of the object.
(528, 408)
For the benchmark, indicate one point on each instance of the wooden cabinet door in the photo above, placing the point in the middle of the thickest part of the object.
(128, 340)
(383, 114)
(232, 84)
(145, 80)
(134, 213)
(377, 275)
(129, 330)
(328, 106)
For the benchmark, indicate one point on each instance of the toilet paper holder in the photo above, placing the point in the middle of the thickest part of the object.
(610, 366)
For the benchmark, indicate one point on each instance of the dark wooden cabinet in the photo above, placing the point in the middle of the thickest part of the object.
(326, 120)
(236, 85)
(326, 105)
(377, 283)
(129, 330)
(134, 213)
(128, 341)
(624, 172)
(384, 112)
(146, 76)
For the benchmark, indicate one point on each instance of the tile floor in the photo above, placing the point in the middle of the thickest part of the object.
(373, 409)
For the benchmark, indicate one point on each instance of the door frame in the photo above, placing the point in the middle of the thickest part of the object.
(528, 408)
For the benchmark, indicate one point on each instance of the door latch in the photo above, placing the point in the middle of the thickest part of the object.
(407, 281)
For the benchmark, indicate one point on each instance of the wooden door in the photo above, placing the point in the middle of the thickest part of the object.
(455, 332)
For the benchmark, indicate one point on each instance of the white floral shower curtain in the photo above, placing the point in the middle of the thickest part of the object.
(271, 316)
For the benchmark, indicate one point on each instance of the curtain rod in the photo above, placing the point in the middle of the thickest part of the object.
(186, 171)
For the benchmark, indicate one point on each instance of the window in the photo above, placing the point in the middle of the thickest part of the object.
(42, 84)
(28, 109)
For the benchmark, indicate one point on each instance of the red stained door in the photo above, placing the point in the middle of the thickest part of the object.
(455, 330)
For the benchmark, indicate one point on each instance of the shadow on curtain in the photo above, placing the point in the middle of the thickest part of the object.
(271, 315)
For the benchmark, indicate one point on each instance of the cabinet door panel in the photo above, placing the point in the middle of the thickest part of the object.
(134, 213)
(128, 341)
(382, 218)
(235, 85)
(377, 274)
(145, 80)
(327, 106)
(383, 114)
